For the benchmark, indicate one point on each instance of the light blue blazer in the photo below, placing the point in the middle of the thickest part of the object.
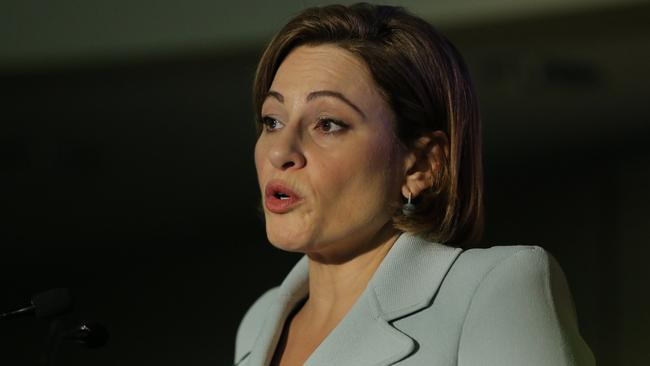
(430, 304)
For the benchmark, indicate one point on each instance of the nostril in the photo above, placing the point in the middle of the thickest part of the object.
(288, 165)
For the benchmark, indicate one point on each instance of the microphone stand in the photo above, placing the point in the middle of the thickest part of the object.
(52, 343)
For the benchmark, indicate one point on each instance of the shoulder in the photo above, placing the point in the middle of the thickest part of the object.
(476, 268)
(519, 309)
(252, 322)
(504, 276)
(508, 273)
(487, 259)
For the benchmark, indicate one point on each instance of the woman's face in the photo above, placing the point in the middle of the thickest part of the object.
(328, 163)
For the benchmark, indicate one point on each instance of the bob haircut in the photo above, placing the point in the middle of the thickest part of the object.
(425, 81)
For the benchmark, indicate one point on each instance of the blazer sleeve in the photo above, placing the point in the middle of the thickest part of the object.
(522, 314)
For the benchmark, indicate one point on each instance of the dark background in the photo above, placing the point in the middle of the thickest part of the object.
(130, 180)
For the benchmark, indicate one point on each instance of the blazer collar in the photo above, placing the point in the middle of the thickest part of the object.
(410, 275)
(406, 281)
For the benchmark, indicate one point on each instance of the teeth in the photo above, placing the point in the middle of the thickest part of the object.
(281, 196)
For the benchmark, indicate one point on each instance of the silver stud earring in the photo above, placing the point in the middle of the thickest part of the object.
(408, 209)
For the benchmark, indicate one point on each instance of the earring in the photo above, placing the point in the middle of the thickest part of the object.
(408, 209)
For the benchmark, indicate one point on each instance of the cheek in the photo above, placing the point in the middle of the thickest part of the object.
(382, 168)
(362, 180)
(259, 156)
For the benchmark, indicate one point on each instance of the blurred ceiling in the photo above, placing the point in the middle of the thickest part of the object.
(38, 34)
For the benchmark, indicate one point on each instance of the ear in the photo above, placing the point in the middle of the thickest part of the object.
(425, 162)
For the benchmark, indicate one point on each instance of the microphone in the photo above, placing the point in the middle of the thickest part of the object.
(91, 335)
(45, 304)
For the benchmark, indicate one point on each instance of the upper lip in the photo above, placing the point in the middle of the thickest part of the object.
(276, 187)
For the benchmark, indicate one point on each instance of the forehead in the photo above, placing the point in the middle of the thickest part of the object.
(325, 67)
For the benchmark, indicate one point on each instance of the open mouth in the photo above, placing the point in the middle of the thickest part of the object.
(280, 198)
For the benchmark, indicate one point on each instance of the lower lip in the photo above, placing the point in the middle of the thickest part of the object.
(279, 206)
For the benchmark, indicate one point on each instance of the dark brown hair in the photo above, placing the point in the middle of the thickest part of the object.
(426, 83)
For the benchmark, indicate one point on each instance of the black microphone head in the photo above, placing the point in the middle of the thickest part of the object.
(52, 302)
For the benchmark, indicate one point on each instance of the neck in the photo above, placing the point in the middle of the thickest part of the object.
(334, 286)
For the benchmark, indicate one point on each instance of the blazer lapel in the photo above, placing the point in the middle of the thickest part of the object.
(410, 275)
(405, 282)
(293, 289)
(362, 339)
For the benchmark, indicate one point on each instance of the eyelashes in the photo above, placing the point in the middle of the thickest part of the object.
(323, 125)
(270, 124)
(331, 126)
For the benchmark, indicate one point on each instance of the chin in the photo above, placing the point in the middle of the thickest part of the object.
(286, 233)
(288, 245)
(287, 240)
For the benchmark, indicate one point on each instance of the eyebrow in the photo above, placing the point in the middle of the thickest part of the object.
(318, 94)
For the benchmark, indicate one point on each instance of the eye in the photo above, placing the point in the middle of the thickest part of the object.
(330, 126)
(271, 124)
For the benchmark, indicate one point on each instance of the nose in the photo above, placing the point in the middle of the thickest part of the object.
(286, 152)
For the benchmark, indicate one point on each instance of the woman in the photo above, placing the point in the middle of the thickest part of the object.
(368, 160)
